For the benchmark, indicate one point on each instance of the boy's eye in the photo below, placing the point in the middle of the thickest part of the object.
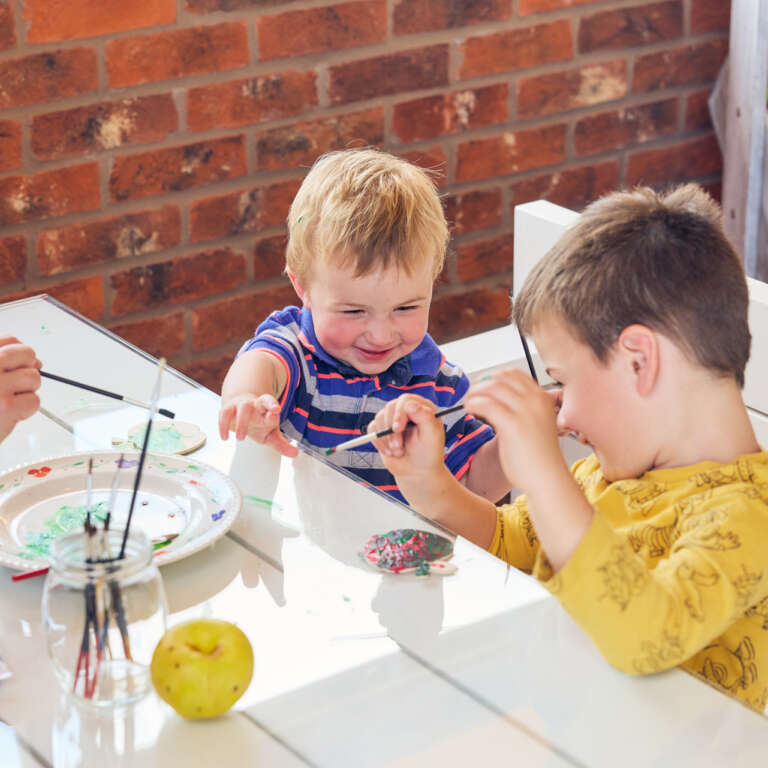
(407, 308)
(351, 311)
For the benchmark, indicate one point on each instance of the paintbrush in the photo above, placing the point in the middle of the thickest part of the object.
(143, 456)
(528, 357)
(106, 393)
(371, 436)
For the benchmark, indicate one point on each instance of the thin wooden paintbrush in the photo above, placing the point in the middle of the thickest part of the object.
(371, 436)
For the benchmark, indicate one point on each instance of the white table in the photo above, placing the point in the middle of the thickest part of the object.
(353, 668)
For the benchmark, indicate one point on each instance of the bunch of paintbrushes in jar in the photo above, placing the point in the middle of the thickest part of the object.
(106, 562)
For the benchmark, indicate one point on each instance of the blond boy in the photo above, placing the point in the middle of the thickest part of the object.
(657, 544)
(367, 238)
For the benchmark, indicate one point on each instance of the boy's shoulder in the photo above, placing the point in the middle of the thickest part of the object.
(288, 317)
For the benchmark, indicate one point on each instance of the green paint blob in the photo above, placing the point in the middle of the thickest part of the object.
(66, 520)
(161, 439)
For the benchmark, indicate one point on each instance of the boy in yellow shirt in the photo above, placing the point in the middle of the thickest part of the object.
(656, 544)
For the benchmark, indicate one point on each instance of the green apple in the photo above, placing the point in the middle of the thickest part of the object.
(202, 667)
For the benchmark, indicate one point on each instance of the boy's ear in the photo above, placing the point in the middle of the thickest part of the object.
(299, 287)
(639, 346)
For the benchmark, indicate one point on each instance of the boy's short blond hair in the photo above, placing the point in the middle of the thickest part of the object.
(367, 208)
(660, 260)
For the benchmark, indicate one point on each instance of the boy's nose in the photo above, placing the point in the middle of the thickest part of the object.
(380, 333)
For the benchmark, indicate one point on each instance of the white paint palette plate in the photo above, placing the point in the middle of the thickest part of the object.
(186, 501)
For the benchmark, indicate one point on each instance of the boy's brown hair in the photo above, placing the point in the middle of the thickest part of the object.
(660, 260)
(367, 208)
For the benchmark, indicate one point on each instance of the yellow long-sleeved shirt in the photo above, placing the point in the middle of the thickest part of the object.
(673, 570)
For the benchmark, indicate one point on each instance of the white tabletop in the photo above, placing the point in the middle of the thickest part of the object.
(353, 668)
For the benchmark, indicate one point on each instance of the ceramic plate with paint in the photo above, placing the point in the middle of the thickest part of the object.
(185, 503)
(406, 550)
(166, 437)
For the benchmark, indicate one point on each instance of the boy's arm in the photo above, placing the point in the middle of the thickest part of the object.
(523, 416)
(415, 458)
(250, 400)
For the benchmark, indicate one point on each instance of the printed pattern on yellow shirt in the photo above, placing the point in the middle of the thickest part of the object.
(672, 571)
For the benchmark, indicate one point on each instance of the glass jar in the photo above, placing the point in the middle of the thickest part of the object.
(102, 620)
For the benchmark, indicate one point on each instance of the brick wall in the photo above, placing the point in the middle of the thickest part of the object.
(149, 150)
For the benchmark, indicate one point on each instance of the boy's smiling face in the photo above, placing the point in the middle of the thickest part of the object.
(599, 401)
(371, 321)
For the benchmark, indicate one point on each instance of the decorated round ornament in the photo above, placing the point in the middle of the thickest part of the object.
(178, 437)
(406, 550)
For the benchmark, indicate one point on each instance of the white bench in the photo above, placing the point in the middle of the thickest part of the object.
(538, 226)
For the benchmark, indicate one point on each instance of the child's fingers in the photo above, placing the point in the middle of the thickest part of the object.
(19, 380)
(276, 440)
(246, 410)
(13, 356)
(26, 404)
(225, 421)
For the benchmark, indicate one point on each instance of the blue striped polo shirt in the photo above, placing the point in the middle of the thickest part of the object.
(326, 401)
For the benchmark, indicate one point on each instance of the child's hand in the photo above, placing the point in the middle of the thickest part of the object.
(415, 449)
(524, 418)
(258, 418)
(19, 381)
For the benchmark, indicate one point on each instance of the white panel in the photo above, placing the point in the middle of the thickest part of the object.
(755, 390)
(538, 226)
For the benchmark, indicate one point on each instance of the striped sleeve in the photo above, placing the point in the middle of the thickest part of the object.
(275, 343)
(462, 441)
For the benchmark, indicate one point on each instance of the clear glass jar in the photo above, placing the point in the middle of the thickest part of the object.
(103, 620)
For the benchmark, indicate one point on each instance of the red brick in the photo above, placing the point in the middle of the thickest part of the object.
(47, 77)
(161, 336)
(710, 15)
(236, 319)
(715, 190)
(119, 237)
(13, 259)
(176, 53)
(213, 6)
(7, 26)
(299, 144)
(10, 145)
(448, 113)
(484, 257)
(241, 102)
(697, 115)
(248, 210)
(386, 75)
(526, 7)
(173, 282)
(52, 20)
(516, 49)
(572, 89)
(85, 296)
(103, 126)
(512, 152)
(209, 371)
(680, 162)
(621, 127)
(690, 64)
(470, 211)
(453, 317)
(177, 168)
(431, 159)
(426, 15)
(572, 188)
(318, 30)
(49, 193)
(269, 257)
(629, 27)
